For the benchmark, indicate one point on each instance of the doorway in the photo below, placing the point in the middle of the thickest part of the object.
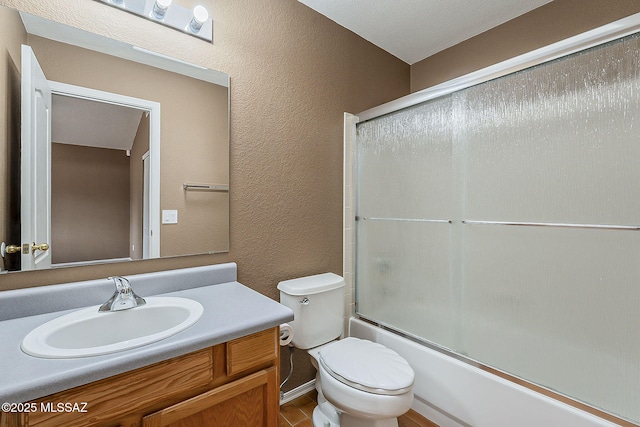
(101, 210)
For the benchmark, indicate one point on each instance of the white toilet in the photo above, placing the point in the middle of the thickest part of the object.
(360, 383)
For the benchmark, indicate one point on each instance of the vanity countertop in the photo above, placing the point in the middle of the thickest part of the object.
(231, 310)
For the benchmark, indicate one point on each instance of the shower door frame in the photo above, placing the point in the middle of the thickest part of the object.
(598, 36)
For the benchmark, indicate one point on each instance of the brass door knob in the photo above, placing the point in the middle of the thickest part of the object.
(41, 247)
(12, 249)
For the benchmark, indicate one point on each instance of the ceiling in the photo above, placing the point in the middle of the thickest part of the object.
(93, 124)
(416, 29)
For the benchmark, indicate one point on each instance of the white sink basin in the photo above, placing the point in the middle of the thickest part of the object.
(88, 332)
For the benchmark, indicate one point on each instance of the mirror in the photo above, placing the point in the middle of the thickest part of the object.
(157, 188)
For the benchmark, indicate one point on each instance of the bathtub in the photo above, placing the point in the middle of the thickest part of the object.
(453, 393)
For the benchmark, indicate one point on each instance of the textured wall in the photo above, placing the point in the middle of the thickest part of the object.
(548, 24)
(78, 220)
(293, 74)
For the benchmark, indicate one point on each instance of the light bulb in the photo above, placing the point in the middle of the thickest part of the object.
(200, 16)
(160, 8)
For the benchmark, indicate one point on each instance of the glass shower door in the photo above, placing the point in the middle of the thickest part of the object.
(405, 205)
(503, 222)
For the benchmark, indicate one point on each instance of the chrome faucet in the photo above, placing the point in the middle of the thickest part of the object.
(123, 298)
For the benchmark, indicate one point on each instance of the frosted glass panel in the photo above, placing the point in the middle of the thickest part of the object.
(405, 200)
(403, 272)
(557, 143)
(558, 307)
(439, 184)
(404, 163)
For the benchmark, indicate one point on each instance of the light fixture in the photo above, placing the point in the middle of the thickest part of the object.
(195, 22)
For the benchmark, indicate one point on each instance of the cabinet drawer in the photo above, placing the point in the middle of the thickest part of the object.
(252, 351)
(113, 397)
(251, 401)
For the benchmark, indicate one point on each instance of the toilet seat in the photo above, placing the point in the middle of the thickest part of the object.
(367, 366)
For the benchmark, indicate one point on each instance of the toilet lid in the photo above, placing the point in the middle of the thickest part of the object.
(367, 366)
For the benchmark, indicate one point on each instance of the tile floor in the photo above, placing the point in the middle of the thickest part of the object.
(297, 413)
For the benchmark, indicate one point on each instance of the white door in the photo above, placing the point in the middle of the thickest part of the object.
(35, 207)
(146, 229)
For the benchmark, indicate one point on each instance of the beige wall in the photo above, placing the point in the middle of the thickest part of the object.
(89, 203)
(293, 74)
(200, 156)
(548, 24)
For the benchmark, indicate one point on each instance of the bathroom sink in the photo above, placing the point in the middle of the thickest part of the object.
(88, 332)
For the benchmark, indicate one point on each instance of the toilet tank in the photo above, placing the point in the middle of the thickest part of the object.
(318, 308)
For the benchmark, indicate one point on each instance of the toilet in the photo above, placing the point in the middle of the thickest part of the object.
(360, 383)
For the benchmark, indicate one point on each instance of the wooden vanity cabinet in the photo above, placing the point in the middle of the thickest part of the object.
(233, 384)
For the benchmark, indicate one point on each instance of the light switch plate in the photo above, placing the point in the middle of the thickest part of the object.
(169, 216)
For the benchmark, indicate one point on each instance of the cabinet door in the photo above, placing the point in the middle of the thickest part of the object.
(12, 419)
(129, 395)
(248, 402)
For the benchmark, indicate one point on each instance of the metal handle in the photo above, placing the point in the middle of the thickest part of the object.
(553, 224)
(122, 284)
(12, 249)
(304, 301)
(206, 187)
(41, 247)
